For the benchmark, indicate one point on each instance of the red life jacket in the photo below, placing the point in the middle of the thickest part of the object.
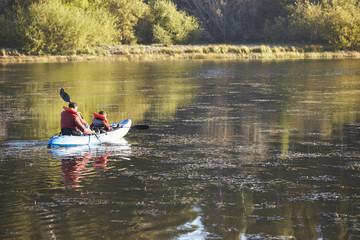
(102, 117)
(74, 112)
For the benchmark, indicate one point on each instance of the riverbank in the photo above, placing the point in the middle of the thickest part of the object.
(153, 52)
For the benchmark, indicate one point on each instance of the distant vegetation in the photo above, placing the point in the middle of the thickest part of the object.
(76, 26)
(69, 26)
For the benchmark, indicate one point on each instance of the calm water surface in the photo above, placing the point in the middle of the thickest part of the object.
(235, 150)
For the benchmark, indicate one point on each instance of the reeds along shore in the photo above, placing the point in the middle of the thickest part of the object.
(153, 52)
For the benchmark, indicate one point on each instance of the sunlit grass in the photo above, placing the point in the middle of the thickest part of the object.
(156, 52)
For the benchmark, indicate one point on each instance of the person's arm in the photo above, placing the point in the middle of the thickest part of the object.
(84, 121)
(81, 126)
(107, 127)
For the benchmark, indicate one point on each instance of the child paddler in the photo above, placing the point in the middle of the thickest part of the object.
(99, 123)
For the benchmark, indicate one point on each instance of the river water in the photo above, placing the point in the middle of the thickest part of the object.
(235, 150)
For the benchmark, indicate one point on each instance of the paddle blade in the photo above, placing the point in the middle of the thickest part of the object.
(141, 127)
(64, 95)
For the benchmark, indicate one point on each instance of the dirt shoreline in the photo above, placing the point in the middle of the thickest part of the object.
(183, 52)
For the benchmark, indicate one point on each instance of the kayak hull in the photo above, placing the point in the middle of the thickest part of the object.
(108, 137)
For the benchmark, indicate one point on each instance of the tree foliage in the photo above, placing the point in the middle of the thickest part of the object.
(53, 26)
(127, 14)
(172, 26)
(330, 22)
(335, 22)
(56, 26)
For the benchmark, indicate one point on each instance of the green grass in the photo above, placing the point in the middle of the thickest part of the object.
(155, 52)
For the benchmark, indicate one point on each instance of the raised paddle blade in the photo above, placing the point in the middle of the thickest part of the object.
(141, 127)
(64, 95)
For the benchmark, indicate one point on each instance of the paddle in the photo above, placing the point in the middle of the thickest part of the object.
(141, 127)
(66, 98)
(64, 95)
(98, 138)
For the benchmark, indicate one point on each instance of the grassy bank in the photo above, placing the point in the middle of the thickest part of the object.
(151, 52)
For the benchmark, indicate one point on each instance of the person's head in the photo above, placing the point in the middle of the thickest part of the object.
(102, 113)
(73, 105)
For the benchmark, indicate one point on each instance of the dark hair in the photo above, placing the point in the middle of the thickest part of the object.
(73, 105)
(101, 112)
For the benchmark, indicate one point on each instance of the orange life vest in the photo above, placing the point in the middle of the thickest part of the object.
(74, 112)
(102, 117)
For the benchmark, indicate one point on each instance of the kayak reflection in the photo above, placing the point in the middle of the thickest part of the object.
(74, 169)
(82, 162)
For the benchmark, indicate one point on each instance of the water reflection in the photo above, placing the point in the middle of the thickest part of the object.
(74, 169)
(80, 162)
(195, 229)
(250, 150)
(31, 104)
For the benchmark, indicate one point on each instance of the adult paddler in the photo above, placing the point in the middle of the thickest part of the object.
(72, 123)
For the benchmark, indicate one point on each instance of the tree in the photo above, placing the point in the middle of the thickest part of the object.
(127, 14)
(335, 22)
(53, 27)
(173, 26)
(342, 21)
(232, 20)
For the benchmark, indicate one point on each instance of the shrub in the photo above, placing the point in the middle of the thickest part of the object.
(215, 49)
(137, 50)
(284, 49)
(53, 27)
(307, 23)
(127, 14)
(206, 50)
(168, 51)
(334, 22)
(256, 50)
(265, 49)
(276, 50)
(245, 49)
(313, 48)
(343, 25)
(234, 49)
(224, 49)
(144, 29)
(171, 25)
(262, 49)
(194, 50)
(160, 35)
(293, 49)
